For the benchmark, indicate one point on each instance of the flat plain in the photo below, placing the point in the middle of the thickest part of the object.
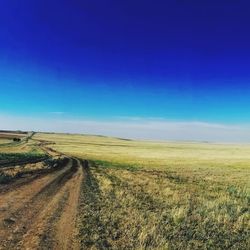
(114, 193)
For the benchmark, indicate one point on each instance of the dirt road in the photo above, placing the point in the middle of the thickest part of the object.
(41, 214)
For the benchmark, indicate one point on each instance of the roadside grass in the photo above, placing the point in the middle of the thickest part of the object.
(22, 161)
(32, 168)
(139, 209)
(144, 195)
(26, 147)
(5, 178)
(16, 158)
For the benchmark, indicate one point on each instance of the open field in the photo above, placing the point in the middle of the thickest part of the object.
(9, 135)
(4, 141)
(94, 192)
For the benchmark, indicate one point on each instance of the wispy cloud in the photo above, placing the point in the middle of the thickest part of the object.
(155, 129)
(56, 113)
(139, 118)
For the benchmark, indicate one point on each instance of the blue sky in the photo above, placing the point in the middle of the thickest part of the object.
(111, 61)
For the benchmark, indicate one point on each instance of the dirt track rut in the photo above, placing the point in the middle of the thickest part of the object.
(42, 214)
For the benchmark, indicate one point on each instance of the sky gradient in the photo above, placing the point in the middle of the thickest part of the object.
(112, 62)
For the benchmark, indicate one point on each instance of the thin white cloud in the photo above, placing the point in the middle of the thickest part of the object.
(56, 113)
(138, 118)
(151, 129)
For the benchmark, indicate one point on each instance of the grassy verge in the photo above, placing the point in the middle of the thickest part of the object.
(123, 209)
(48, 165)
(20, 158)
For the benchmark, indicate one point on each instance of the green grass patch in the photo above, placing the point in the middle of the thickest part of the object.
(114, 165)
(9, 158)
(5, 178)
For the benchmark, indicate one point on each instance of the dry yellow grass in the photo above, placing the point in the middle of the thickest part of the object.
(158, 195)
(23, 147)
(4, 141)
(212, 162)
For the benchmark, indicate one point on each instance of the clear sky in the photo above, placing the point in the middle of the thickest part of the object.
(184, 62)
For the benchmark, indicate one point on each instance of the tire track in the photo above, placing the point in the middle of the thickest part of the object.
(30, 216)
(16, 195)
(67, 225)
(61, 231)
(28, 177)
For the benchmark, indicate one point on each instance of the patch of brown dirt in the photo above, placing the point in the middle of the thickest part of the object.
(42, 213)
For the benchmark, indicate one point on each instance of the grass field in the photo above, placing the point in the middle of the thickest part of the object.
(6, 138)
(4, 141)
(61, 191)
(138, 195)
